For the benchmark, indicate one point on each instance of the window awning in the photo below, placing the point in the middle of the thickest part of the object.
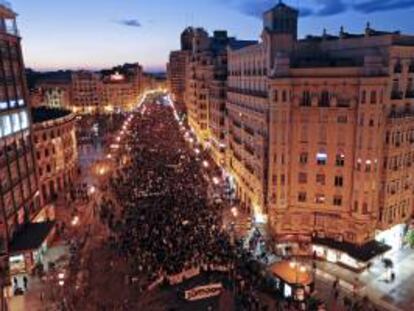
(31, 237)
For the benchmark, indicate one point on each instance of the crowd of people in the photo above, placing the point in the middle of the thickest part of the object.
(168, 222)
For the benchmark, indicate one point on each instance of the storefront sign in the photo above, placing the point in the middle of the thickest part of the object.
(203, 292)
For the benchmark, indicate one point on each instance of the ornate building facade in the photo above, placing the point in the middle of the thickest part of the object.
(56, 151)
(318, 132)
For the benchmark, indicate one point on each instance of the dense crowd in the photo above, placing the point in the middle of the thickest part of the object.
(169, 224)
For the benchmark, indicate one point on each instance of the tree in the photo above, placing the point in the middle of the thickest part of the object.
(410, 238)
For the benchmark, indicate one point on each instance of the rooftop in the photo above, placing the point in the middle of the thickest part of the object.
(44, 114)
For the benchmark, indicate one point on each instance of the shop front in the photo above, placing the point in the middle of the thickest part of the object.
(29, 246)
(355, 257)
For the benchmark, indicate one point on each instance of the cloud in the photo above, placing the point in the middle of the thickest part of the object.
(129, 22)
(321, 7)
(371, 6)
(330, 7)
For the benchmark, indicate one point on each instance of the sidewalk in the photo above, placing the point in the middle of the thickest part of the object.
(396, 296)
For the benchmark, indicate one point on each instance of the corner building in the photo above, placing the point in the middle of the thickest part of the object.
(320, 133)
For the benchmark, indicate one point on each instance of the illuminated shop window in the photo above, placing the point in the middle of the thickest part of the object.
(3, 105)
(13, 103)
(15, 122)
(6, 125)
(20, 102)
(24, 119)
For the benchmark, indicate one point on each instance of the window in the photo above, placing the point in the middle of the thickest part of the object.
(365, 208)
(321, 158)
(276, 95)
(282, 179)
(324, 101)
(340, 160)
(284, 96)
(303, 158)
(306, 99)
(303, 178)
(302, 196)
(337, 200)
(363, 97)
(339, 181)
(320, 179)
(342, 119)
(373, 97)
(356, 204)
(320, 198)
(368, 166)
(359, 164)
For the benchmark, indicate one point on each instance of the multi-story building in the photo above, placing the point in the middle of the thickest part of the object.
(86, 92)
(118, 88)
(206, 88)
(177, 68)
(320, 135)
(118, 93)
(56, 94)
(56, 151)
(19, 203)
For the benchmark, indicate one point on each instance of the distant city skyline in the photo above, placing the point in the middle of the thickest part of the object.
(95, 34)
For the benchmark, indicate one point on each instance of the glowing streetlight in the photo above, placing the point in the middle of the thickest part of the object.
(61, 276)
(61, 283)
(118, 139)
(205, 164)
(197, 151)
(234, 211)
(92, 189)
(109, 156)
(216, 181)
(75, 221)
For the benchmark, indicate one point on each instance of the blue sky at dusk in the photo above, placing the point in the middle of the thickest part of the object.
(60, 34)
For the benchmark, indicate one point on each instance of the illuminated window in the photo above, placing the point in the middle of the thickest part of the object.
(368, 165)
(320, 198)
(3, 105)
(321, 158)
(12, 103)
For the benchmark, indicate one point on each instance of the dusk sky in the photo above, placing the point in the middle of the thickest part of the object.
(102, 33)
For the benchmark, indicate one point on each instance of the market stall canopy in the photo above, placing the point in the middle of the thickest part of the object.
(292, 273)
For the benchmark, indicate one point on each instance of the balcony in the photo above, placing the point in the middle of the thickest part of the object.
(236, 124)
(249, 131)
(256, 93)
(249, 149)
